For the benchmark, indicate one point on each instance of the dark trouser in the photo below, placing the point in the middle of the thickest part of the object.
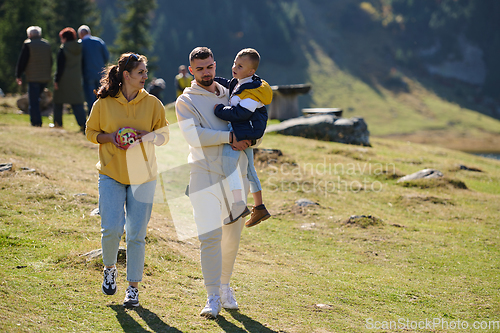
(78, 111)
(35, 89)
(88, 89)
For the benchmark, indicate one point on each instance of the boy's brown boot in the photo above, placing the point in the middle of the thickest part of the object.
(259, 214)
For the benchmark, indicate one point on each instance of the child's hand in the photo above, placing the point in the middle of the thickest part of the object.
(216, 105)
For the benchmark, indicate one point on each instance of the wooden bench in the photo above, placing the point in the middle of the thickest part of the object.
(285, 104)
(319, 111)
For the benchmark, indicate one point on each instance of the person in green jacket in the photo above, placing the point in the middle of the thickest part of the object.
(68, 86)
(35, 61)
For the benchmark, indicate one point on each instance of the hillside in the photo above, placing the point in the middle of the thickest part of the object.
(418, 71)
(430, 251)
(342, 49)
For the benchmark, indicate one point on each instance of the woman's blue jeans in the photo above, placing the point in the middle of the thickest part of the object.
(125, 207)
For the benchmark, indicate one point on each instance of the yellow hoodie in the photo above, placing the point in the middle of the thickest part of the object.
(144, 112)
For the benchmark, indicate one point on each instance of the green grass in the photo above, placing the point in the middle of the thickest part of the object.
(433, 253)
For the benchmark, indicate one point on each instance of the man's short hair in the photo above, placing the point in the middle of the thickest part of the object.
(200, 52)
(84, 28)
(252, 54)
(34, 31)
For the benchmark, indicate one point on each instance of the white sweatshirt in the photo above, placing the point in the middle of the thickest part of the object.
(204, 132)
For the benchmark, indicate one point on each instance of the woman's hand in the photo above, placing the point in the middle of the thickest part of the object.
(145, 136)
(109, 138)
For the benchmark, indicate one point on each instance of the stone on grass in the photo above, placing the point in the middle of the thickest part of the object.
(326, 127)
(95, 212)
(122, 253)
(363, 221)
(466, 168)
(422, 174)
(305, 202)
(5, 167)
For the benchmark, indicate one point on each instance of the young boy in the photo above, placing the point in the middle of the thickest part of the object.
(247, 115)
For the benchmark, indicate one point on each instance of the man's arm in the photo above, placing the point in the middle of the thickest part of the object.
(22, 62)
(193, 132)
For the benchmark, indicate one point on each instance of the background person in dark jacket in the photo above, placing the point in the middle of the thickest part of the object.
(35, 61)
(68, 79)
(95, 56)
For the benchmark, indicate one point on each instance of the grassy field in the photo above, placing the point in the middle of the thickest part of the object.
(430, 252)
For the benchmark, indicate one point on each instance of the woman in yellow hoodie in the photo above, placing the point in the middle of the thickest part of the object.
(127, 177)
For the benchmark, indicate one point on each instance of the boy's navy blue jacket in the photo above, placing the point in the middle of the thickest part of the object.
(247, 125)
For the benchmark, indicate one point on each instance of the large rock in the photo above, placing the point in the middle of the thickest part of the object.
(327, 128)
(46, 105)
(422, 174)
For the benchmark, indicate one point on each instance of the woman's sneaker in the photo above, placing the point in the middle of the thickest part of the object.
(212, 308)
(109, 281)
(227, 297)
(131, 297)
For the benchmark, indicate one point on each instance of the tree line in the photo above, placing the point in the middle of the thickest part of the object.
(166, 31)
(54, 15)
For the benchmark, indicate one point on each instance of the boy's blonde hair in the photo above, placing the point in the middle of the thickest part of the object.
(252, 54)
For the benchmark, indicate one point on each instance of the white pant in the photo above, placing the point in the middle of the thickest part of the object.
(219, 244)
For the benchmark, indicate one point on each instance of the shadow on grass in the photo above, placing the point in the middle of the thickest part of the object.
(250, 325)
(129, 324)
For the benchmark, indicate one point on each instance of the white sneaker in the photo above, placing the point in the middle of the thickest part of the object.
(131, 297)
(212, 308)
(227, 297)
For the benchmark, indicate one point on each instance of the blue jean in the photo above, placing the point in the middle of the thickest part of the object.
(125, 206)
(229, 164)
(78, 111)
(88, 89)
(35, 89)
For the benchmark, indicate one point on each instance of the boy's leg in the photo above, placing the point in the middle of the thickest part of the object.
(229, 166)
(255, 185)
(257, 198)
(259, 211)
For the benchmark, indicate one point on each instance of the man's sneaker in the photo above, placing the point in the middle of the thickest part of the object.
(238, 209)
(227, 297)
(259, 214)
(131, 297)
(212, 308)
(109, 281)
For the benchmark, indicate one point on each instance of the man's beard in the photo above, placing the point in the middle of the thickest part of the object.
(206, 83)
